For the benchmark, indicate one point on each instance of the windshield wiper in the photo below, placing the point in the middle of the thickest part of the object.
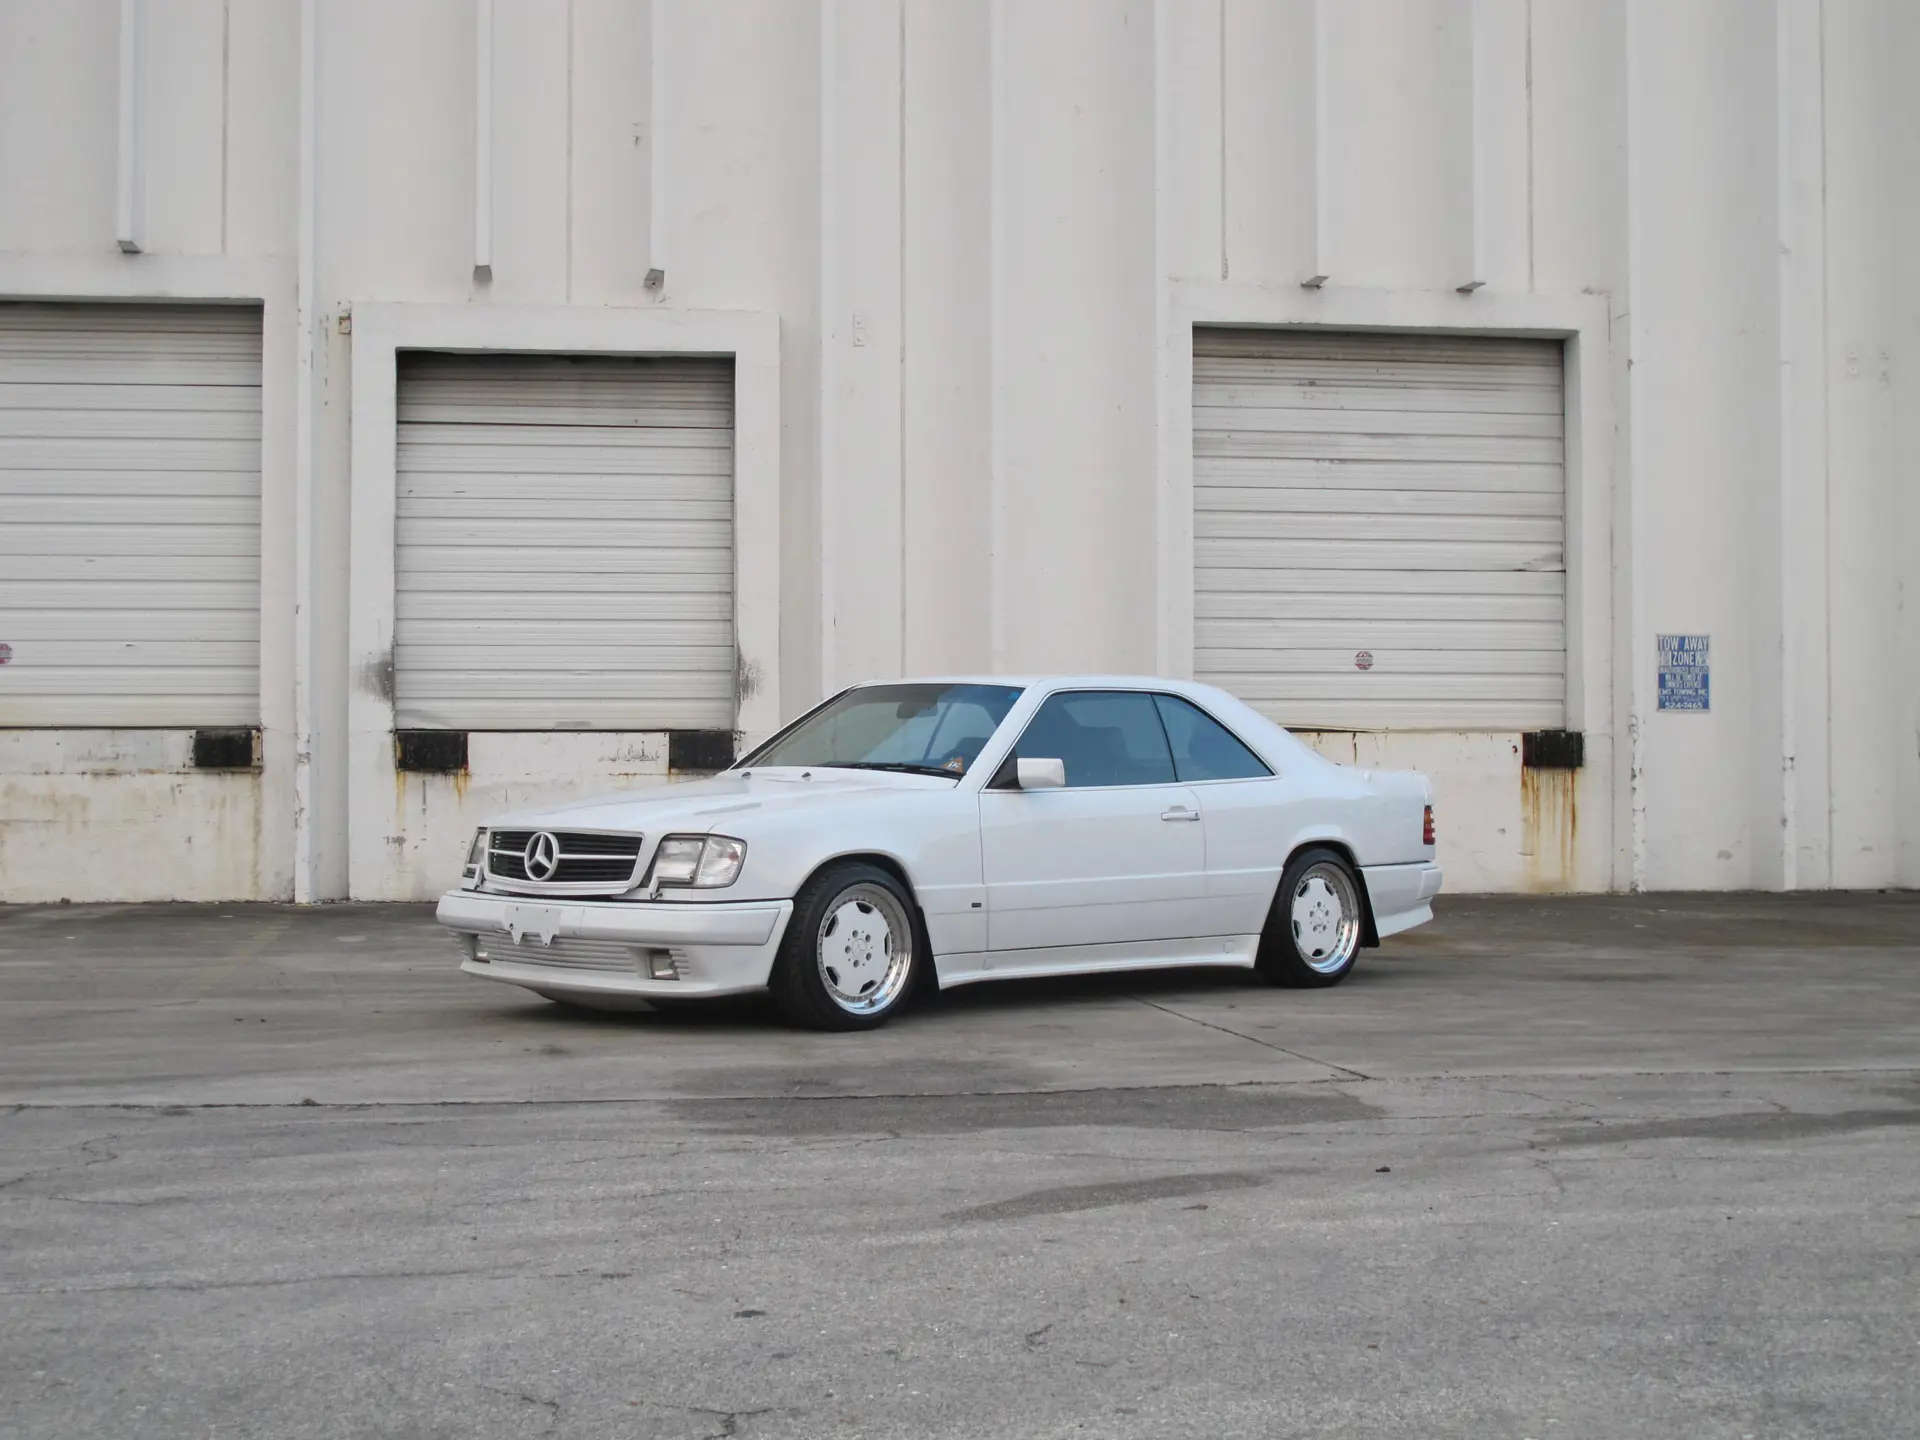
(897, 766)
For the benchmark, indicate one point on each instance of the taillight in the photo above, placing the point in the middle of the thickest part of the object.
(1426, 830)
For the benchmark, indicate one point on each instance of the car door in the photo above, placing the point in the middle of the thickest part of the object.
(1251, 812)
(1116, 856)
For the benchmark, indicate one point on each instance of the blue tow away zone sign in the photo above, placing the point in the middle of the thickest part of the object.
(1684, 673)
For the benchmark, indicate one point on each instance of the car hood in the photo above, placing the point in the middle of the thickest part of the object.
(726, 803)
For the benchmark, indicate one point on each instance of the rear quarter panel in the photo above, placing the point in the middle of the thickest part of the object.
(1254, 826)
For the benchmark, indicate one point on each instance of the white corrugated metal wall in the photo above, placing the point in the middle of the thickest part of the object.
(564, 543)
(130, 515)
(1379, 528)
(978, 244)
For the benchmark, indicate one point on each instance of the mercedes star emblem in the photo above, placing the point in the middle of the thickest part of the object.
(542, 856)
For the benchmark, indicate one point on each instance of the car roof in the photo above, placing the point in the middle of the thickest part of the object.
(1051, 682)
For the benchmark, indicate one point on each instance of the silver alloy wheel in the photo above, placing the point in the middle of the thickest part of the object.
(1325, 912)
(865, 949)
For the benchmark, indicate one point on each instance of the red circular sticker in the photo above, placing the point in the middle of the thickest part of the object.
(1363, 660)
(6, 652)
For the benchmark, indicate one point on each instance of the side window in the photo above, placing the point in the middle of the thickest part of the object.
(1203, 748)
(1104, 737)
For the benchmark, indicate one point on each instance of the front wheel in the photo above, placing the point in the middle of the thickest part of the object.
(848, 958)
(1314, 929)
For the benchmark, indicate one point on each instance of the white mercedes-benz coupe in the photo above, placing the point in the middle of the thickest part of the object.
(946, 831)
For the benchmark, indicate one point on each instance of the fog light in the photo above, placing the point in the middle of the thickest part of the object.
(660, 965)
(470, 946)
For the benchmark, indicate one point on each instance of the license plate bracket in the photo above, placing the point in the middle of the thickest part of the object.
(536, 923)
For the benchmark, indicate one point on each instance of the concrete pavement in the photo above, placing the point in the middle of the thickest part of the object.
(1593, 1167)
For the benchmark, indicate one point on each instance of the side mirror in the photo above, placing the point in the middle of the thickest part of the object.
(1040, 774)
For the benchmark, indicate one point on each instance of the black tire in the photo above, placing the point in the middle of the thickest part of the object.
(872, 982)
(1322, 948)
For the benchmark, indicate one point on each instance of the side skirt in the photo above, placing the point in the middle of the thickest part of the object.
(1229, 951)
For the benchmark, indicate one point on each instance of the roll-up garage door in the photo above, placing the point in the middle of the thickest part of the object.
(564, 543)
(1379, 528)
(129, 515)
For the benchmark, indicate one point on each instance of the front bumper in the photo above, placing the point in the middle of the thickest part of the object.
(650, 950)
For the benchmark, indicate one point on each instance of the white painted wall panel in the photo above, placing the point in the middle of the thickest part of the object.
(1398, 495)
(945, 350)
(183, 104)
(130, 515)
(1074, 396)
(564, 544)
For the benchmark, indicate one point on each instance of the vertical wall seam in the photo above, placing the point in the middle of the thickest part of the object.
(1319, 269)
(829, 358)
(1529, 73)
(1639, 654)
(1826, 445)
(1223, 141)
(996, 330)
(567, 264)
(305, 846)
(483, 137)
(1784, 275)
(900, 185)
(1159, 279)
(657, 177)
(129, 219)
(1478, 138)
(226, 111)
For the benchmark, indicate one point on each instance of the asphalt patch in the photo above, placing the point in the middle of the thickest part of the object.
(1747, 1125)
(1065, 1199)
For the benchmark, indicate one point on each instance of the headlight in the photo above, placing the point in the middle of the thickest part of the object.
(476, 860)
(705, 862)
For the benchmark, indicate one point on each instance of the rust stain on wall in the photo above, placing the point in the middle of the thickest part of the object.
(1549, 827)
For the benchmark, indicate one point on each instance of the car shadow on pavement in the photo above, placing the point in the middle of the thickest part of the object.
(992, 997)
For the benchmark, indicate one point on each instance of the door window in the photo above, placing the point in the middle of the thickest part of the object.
(1203, 748)
(1104, 737)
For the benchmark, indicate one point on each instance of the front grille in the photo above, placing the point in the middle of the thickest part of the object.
(586, 858)
(613, 957)
(563, 954)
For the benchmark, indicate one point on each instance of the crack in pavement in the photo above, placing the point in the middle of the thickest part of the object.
(1457, 1076)
(729, 1419)
(1255, 1039)
(85, 1147)
(552, 1407)
(324, 1278)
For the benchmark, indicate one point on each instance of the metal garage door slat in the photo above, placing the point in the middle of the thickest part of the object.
(1319, 421)
(130, 514)
(553, 636)
(1401, 495)
(1288, 500)
(564, 543)
(1448, 399)
(1274, 473)
(1376, 556)
(660, 600)
(1321, 605)
(534, 569)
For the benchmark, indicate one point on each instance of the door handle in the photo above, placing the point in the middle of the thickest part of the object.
(1179, 812)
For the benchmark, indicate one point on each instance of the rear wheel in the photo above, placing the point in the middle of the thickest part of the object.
(1314, 929)
(847, 960)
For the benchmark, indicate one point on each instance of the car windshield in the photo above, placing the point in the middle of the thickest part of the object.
(920, 729)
